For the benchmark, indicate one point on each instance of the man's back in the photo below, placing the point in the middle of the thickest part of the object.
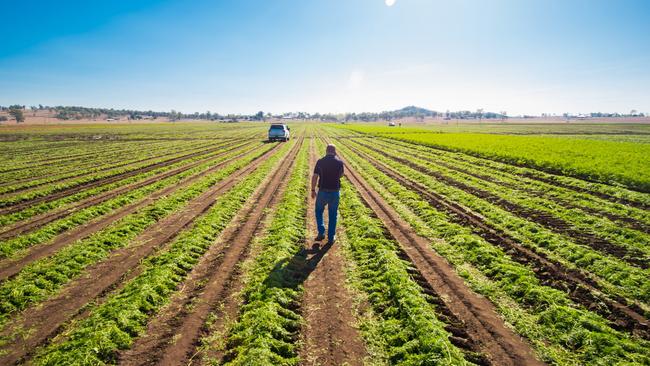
(329, 170)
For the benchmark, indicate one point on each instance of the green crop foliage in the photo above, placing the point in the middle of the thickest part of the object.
(623, 163)
(566, 197)
(407, 325)
(55, 187)
(561, 331)
(616, 276)
(114, 324)
(49, 231)
(267, 327)
(622, 237)
(44, 277)
(71, 199)
(101, 167)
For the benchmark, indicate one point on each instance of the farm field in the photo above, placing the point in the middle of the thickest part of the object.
(193, 244)
(604, 159)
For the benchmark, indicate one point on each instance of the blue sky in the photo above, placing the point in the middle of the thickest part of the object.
(241, 56)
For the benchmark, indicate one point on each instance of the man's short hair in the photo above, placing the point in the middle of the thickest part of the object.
(330, 149)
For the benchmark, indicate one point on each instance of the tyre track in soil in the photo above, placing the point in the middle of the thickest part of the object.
(578, 286)
(472, 319)
(38, 221)
(551, 181)
(100, 182)
(328, 335)
(10, 267)
(37, 324)
(625, 220)
(555, 224)
(173, 336)
(114, 164)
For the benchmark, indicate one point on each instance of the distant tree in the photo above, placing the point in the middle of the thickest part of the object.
(259, 116)
(504, 115)
(174, 116)
(16, 112)
(479, 114)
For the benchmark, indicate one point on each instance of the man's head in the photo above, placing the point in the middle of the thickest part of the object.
(330, 149)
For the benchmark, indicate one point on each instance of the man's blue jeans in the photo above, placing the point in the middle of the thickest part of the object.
(331, 200)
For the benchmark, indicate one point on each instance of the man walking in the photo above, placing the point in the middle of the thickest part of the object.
(327, 173)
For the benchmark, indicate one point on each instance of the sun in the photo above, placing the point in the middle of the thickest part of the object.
(389, 2)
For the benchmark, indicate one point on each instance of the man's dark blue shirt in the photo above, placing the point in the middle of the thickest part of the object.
(330, 171)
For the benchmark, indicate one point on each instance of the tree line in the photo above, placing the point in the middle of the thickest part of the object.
(17, 112)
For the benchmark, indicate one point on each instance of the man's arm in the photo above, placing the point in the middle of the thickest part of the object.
(314, 179)
(314, 182)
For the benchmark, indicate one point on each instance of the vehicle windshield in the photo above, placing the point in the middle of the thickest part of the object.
(277, 127)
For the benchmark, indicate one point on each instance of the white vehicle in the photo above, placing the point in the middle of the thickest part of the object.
(279, 132)
(392, 124)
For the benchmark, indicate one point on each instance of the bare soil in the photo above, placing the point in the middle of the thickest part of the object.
(329, 336)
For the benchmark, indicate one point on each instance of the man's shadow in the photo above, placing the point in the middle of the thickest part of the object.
(293, 272)
(290, 274)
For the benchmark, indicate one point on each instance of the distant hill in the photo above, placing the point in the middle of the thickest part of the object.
(412, 110)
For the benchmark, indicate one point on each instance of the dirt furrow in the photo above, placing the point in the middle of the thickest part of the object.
(579, 286)
(172, 336)
(480, 321)
(43, 321)
(555, 224)
(99, 182)
(328, 336)
(10, 267)
(35, 222)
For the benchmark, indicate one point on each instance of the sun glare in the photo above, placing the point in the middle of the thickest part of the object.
(389, 2)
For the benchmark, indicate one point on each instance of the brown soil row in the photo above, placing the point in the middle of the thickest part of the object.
(625, 220)
(579, 286)
(82, 173)
(99, 182)
(11, 267)
(44, 320)
(173, 335)
(555, 224)
(471, 315)
(35, 222)
(329, 336)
